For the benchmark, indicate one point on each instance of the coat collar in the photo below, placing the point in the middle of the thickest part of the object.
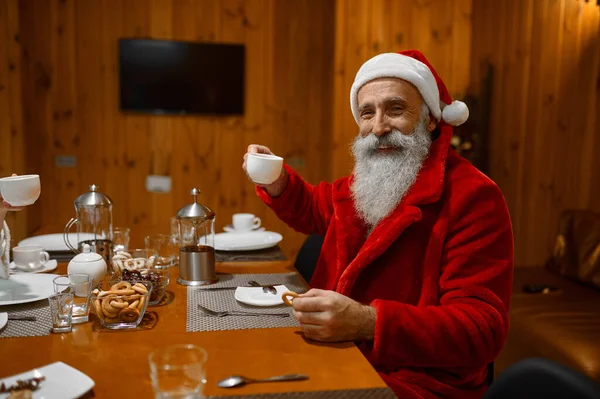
(354, 252)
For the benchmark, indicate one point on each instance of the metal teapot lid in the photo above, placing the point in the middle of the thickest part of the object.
(195, 210)
(93, 198)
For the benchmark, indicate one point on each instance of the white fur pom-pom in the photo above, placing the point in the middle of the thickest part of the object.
(455, 114)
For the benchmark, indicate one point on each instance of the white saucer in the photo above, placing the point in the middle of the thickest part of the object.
(3, 320)
(46, 267)
(229, 228)
(255, 296)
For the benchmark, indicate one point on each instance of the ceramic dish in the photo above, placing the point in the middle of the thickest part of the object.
(26, 287)
(255, 296)
(46, 267)
(246, 241)
(61, 382)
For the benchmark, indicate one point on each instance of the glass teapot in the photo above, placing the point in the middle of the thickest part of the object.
(93, 212)
(196, 237)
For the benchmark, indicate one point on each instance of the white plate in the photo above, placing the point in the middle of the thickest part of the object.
(246, 241)
(255, 296)
(26, 287)
(3, 320)
(62, 382)
(47, 267)
(55, 242)
(230, 229)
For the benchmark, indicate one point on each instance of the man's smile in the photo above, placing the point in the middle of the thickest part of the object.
(386, 148)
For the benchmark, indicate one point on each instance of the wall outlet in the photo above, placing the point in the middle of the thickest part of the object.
(158, 184)
(65, 161)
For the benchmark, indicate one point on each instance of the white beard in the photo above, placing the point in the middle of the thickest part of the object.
(382, 179)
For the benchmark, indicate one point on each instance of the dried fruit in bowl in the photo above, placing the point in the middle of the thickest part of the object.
(158, 277)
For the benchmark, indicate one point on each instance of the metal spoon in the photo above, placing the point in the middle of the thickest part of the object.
(238, 380)
(267, 289)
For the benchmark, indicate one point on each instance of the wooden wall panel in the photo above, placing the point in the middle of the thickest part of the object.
(441, 29)
(544, 118)
(71, 94)
(11, 118)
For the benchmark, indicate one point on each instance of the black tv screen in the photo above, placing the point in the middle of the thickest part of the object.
(169, 77)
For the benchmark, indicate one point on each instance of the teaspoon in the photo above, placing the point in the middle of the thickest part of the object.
(238, 380)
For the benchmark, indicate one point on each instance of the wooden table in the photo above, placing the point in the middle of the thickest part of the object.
(118, 361)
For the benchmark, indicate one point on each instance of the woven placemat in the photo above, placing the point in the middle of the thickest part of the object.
(269, 254)
(225, 300)
(373, 393)
(21, 328)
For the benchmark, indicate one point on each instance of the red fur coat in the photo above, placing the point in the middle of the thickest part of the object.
(438, 271)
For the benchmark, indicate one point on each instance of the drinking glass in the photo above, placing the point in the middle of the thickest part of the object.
(80, 286)
(175, 228)
(121, 238)
(145, 253)
(178, 372)
(61, 307)
(166, 247)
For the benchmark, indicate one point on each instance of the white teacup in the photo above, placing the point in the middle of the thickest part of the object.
(29, 257)
(245, 222)
(263, 168)
(20, 190)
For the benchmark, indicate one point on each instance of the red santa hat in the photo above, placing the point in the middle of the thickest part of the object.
(413, 67)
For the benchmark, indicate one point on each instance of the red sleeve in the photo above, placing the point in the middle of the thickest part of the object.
(302, 206)
(470, 325)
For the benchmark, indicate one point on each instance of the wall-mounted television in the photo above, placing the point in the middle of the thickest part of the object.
(172, 77)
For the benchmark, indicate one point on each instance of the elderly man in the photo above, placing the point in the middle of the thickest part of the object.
(417, 261)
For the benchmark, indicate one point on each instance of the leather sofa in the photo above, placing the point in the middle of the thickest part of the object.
(562, 325)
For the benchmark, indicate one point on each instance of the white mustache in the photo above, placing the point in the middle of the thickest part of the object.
(370, 143)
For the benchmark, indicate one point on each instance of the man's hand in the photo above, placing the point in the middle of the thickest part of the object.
(330, 317)
(276, 188)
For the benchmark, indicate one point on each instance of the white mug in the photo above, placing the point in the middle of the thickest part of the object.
(263, 168)
(29, 257)
(245, 222)
(20, 190)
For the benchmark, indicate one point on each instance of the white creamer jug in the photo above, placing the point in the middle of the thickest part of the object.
(88, 262)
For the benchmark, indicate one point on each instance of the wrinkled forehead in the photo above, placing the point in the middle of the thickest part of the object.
(389, 89)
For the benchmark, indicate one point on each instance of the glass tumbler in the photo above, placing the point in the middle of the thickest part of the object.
(61, 307)
(167, 249)
(121, 239)
(80, 285)
(178, 372)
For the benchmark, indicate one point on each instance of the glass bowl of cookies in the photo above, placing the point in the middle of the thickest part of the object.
(121, 305)
(159, 278)
(135, 259)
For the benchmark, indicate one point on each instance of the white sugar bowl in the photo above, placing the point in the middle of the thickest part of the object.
(88, 262)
